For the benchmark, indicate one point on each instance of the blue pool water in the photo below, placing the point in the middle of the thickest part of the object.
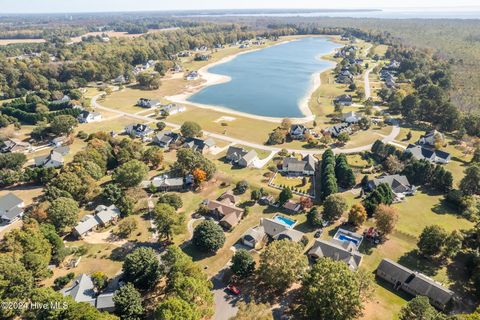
(346, 238)
(285, 220)
(270, 82)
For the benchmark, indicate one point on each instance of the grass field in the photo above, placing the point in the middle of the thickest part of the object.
(295, 183)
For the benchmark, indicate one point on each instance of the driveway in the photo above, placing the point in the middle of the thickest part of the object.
(225, 303)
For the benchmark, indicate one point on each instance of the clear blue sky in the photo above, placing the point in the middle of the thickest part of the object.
(38, 6)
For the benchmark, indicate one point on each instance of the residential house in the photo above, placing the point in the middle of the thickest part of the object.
(292, 206)
(345, 251)
(393, 65)
(83, 290)
(248, 159)
(15, 145)
(398, 183)
(435, 156)
(297, 131)
(254, 237)
(277, 230)
(87, 116)
(148, 103)
(54, 159)
(225, 210)
(390, 83)
(343, 100)
(103, 216)
(176, 68)
(58, 141)
(294, 167)
(11, 208)
(350, 117)
(164, 183)
(166, 138)
(266, 200)
(201, 57)
(193, 75)
(139, 130)
(199, 145)
(119, 80)
(430, 138)
(336, 129)
(171, 109)
(64, 99)
(414, 283)
(241, 157)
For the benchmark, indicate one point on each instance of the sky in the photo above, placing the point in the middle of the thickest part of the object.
(50, 6)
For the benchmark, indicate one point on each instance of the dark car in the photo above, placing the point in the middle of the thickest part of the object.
(318, 233)
(234, 290)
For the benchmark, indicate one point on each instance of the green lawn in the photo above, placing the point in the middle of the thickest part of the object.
(294, 183)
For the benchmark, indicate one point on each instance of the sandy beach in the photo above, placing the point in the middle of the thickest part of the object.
(210, 79)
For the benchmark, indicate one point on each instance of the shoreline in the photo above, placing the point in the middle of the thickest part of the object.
(214, 79)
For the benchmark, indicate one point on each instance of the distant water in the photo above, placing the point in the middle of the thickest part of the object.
(270, 82)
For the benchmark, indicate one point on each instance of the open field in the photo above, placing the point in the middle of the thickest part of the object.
(4, 42)
(110, 34)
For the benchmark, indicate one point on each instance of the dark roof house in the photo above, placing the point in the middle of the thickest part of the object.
(337, 250)
(11, 208)
(294, 167)
(399, 184)
(199, 145)
(421, 153)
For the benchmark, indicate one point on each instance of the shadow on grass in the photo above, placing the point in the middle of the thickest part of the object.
(118, 254)
(415, 261)
(197, 255)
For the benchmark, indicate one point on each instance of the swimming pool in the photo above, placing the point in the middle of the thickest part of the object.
(345, 235)
(286, 221)
(345, 238)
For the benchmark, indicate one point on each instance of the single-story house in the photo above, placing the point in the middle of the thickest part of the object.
(240, 156)
(87, 117)
(103, 216)
(276, 230)
(148, 103)
(15, 145)
(292, 206)
(431, 137)
(435, 156)
(414, 283)
(164, 183)
(166, 138)
(350, 117)
(139, 130)
(105, 302)
(248, 159)
(254, 237)
(11, 208)
(171, 109)
(289, 234)
(229, 214)
(54, 159)
(297, 131)
(83, 290)
(343, 100)
(294, 167)
(199, 145)
(398, 183)
(336, 129)
(119, 80)
(193, 76)
(64, 99)
(345, 251)
(344, 79)
(266, 200)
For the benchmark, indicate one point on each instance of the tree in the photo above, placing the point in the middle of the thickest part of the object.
(281, 264)
(333, 207)
(130, 174)
(63, 124)
(393, 165)
(172, 199)
(386, 218)
(161, 125)
(241, 187)
(453, 244)
(470, 184)
(276, 137)
(343, 137)
(314, 218)
(112, 192)
(173, 308)
(343, 173)
(331, 291)
(142, 268)
(285, 195)
(243, 264)
(149, 81)
(253, 311)
(432, 240)
(100, 280)
(188, 161)
(199, 176)
(190, 129)
(357, 215)
(476, 156)
(418, 308)
(59, 252)
(128, 303)
(14, 161)
(63, 213)
(208, 236)
(127, 226)
(306, 203)
(166, 220)
(153, 156)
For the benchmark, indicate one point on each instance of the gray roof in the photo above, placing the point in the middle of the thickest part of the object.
(105, 301)
(272, 227)
(422, 153)
(54, 159)
(292, 164)
(257, 233)
(337, 250)
(198, 144)
(12, 213)
(64, 150)
(398, 183)
(290, 234)
(87, 225)
(10, 206)
(107, 214)
(82, 290)
(250, 156)
(161, 181)
(235, 152)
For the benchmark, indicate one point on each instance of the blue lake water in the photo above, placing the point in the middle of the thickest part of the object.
(270, 82)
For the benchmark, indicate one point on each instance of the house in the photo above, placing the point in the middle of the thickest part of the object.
(119, 80)
(103, 217)
(165, 139)
(248, 159)
(344, 79)
(139, 130)
(254, 237)
(201, 57)
(176, 68)
(240, 156)
(87, 116)
(350, 117)
(336, 129)
(54, 159)
(276, 230)
(14, 145)
(435, 156)
(83, 290)
(199, 145)
(192, 76)
(297, 131)
(399, 184)
(58, 141)
(11, 208)
(343, 100)
(224, 209)
(292, 206)
(147, 103)
(164, 183)
(171, 109)
(414, 283)
(393, 65)
(64, 99)
(390, 83)
(337, 250)
(294, 167)
(266, 200)
(430, 138)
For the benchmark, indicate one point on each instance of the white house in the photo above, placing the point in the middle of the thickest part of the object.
(193, 76)
(87, 117)
(350, 117)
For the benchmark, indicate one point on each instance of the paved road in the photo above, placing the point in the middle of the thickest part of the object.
(368, 90)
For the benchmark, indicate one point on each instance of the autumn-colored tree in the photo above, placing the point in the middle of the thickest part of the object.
(199, 175)
(357, 214)
(386, 218)
(306, 202)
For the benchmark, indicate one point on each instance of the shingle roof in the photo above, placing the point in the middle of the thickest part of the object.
(398, 183)
(272, 227)
(290, 234)
(257, 233)
(250, 156)
(9, 202)
(107, 214)
(105, 301)
(82, 290)
(420, 152)
(223, 208)
(337, 250)
(87, 225)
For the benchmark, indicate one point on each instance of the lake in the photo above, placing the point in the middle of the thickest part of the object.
(272, 82)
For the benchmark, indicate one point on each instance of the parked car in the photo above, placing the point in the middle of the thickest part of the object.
(233, 289)
(318, 233)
